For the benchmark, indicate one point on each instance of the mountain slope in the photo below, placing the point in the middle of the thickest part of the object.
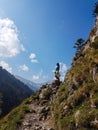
(71, 106)
(77, 97)
(34, 113)
(12, 90)
(30, 84)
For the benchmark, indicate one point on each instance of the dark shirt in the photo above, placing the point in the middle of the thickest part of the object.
(57, 68)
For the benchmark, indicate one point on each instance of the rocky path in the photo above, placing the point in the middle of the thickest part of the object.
(40, 117)
(36, 120)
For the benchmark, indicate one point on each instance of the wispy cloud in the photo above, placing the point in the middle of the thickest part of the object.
(33, 58)
(24, 68)
(6, 66)
(9, 40)
(35, 77)
(63, 69)
(39, 76)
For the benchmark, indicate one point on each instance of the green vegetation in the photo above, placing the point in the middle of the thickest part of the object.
(95, 12)
(13, 119)
(79, 92)
(79, 44)
(47, 94)
(75, 104)
(11, 88)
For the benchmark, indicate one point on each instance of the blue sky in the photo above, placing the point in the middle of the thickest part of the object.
(36, 34)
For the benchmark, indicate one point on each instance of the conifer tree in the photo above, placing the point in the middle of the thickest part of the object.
(95, 12)
(79, 44)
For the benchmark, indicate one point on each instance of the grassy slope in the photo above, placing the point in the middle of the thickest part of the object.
(13, 119)
(80, 78)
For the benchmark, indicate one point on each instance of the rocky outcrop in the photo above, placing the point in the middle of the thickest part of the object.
(40, 116)
(93, 34)
(95, 73)
(77, 97)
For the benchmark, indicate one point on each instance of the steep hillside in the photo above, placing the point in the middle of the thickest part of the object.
(77, 97)
(71, 105)
(12, 91)
(35, 113)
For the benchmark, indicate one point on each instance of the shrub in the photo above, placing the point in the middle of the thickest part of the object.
(95, 12)
(47, 94)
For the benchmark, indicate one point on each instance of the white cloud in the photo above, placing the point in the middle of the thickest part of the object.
(6, 66)
(9, 40)
(39, 75)
(22, 47)
(33, 58)
(63, 69)
(24, 68)
(35, 77)
(32, 55)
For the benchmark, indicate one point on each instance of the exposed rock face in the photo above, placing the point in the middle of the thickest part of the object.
(95, 73)
(95, 123)
(78, 97)
(77, 114)
(96, 26)
(93, 34)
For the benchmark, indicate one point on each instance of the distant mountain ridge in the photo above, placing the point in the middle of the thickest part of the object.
(13, 91)
(30, 84)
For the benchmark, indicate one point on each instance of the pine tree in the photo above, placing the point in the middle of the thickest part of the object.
(79, 45)
(95, 12)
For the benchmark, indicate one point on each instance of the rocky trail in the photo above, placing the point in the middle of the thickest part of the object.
(40, 115)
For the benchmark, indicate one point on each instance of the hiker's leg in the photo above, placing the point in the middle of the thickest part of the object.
(57, 78)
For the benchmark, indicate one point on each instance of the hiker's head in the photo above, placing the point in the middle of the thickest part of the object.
(57, 64)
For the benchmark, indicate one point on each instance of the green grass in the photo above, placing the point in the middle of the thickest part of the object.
(47, 94)
(79, 76)
(82, 75)
(13, 119)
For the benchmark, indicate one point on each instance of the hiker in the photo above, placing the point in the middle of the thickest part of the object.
(57, 73)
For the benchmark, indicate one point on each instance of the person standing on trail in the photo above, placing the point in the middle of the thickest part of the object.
(57, 73)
